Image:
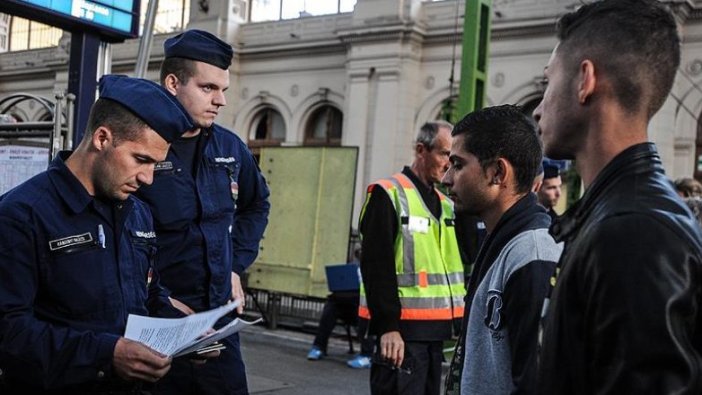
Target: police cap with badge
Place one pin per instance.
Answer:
(149, 102)
(201, 46)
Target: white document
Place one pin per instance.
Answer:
(178, 336)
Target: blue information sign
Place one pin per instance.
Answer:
(114, 20)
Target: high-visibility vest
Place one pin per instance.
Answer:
(427, 261)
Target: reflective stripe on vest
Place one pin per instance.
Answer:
(428, 265)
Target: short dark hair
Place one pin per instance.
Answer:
(635, 43)
(503, 132)
(182, 68)
(428, 131)
(124, 125)
(688, 187)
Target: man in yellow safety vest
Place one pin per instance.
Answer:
(413, 284)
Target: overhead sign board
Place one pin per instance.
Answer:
(113, 20)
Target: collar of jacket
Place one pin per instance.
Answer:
(72, 192)
(524, 215)
(637, 159)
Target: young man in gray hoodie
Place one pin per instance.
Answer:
(495, 155)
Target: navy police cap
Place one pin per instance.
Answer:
(150, 102)
(201, 46)
(551, 171)
(540, 169)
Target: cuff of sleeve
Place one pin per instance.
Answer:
(385, 326)
(238, 269)
(105, 355)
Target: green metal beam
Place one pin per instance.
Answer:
(474, 58)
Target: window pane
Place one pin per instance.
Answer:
(265, 10)
(262, 126)
(324, 125)
(335, 124)
(299, 8)
(19, 34)
(347, 5)
(170, 15)
(277, 126)
(26, 34)
(269, 125)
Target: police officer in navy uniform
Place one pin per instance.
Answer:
(77, 249)
(210, 206)
(549, 191)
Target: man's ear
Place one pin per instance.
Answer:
(503, 172)
(102, 138)
(171, 83)
(588, 81)
(420, 148)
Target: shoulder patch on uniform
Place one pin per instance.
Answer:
(70, 241)
(142, 234)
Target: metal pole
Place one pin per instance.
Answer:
(104, 59)
(68, 142)
(56, 131)
(145, 43)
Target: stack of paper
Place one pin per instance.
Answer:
(178, 336)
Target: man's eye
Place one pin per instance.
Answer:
(543, 82)
(207, 88)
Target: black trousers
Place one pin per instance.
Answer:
(420, 373)
(344, 306)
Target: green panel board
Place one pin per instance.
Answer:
(310, 219)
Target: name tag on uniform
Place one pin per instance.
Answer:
(70, 241)
(163, 166)
(418, 224)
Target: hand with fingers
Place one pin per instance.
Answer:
(135, 361)
(238, 292)
(392, 348)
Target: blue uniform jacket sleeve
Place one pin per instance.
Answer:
(31, 349)
(252, 210)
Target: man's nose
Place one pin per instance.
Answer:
(145, 177)
(220, 99)
(446, 179)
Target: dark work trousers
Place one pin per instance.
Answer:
(343, 306)
(420, 373)
(225, 374)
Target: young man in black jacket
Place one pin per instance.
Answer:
(625, 314)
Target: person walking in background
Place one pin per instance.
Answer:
(412, 289)
(76, 253)
(495, 157)
(343, 304)
(625, 313)
(549, 192)
(210, 206)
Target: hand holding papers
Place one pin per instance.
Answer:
(179, 336)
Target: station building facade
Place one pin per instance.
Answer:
(370, 73)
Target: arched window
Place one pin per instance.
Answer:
(324, 127)
(267, 129)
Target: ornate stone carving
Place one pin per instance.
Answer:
(694, 68)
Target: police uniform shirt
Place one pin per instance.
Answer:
(70, 277)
